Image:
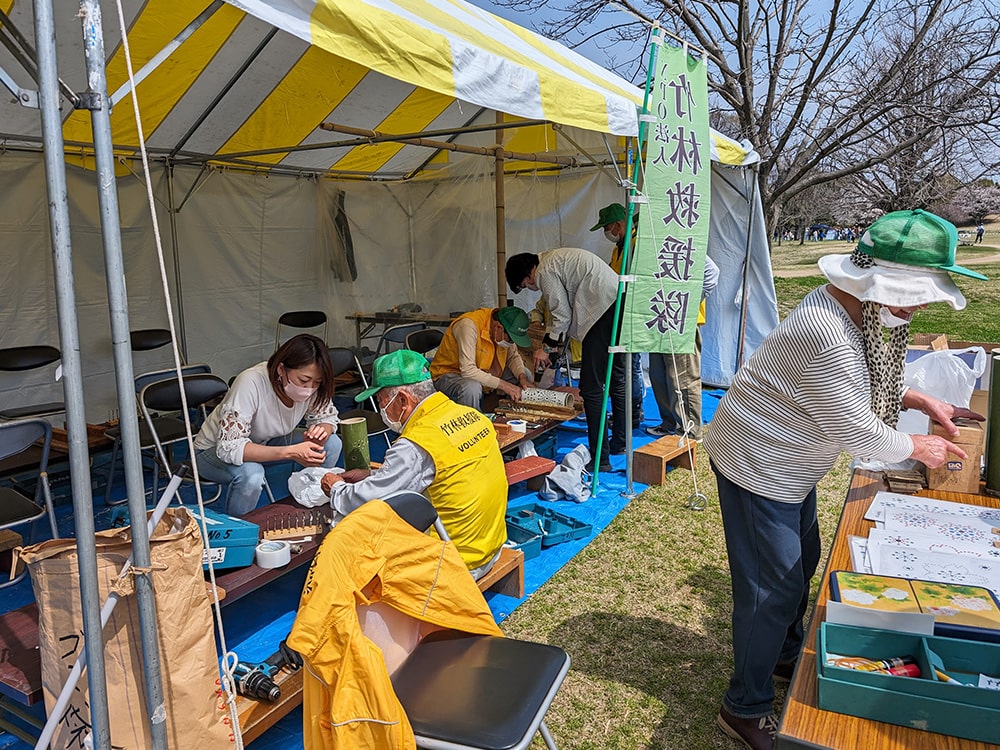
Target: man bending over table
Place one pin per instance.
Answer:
(445, 450)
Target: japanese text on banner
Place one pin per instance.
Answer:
(661, 305)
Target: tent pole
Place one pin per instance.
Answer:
(93, 47)
(501, 209)
(745, 305)
(174, 247)
(69, 340)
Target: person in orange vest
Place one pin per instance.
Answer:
(479, 353)
(445, 450)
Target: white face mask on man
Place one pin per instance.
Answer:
(390, 423)
(611, 236)
(889, 320)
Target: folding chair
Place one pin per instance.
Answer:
(345, 360)
(424, 341)
(165, 396)
(300, 319)
(474, 692)
(16, 508)
(21, 359)
(170, 427)
(393, 337)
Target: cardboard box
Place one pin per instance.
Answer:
(923, 702)
(959, 475)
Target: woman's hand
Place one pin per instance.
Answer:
(319, 433)
(306, 453)
(932, 451)
(938, 410)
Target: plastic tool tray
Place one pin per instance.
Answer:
(534, 526)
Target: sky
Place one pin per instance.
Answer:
(589, 49)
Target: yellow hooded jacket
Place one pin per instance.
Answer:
(373, 555)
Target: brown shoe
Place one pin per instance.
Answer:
(757, 733)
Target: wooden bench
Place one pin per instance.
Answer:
(650, 462)
(507, 574)
(528, 468)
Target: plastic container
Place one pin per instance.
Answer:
(553, 527)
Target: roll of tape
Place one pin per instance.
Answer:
(518, 425)
(273, 554)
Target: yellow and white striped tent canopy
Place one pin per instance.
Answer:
(253, 80)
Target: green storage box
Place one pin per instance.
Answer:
(923, 702)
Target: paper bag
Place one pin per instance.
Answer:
(196, 716)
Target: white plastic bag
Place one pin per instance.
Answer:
(305, 487)
(945, 375)
(525, 449)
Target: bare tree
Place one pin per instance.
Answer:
(892, 94)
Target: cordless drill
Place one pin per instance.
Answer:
(257, 680)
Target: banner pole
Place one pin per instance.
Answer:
(626, 262)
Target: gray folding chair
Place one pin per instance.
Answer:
(169, 426)
(165, 396)
(392, 338)
(300, 319)
(22, 359)
(474, 692)
(16, 507)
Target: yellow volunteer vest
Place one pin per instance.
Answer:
(446, 359)
(469, 490)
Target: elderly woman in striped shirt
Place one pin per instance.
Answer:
(826, 380)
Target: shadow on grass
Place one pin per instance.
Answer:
(684, 669)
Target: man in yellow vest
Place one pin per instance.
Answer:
(447, 451)
(479, 353)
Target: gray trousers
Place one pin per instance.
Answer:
(673, 373)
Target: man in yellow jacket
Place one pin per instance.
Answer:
(447, 451)
(479, 353)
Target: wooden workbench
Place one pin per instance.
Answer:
(803, 724)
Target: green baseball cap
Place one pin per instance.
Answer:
(401, 367)
(609, 215)
(915, 238)
(515, 322)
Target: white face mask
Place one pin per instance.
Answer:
(611, 236)
(889, 320)
(297, 393)
(390, 423)
(504, 344)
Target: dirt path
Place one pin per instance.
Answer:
(790, 273)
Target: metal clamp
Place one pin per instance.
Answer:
(89, 100)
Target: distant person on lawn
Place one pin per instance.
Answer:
(980, 231)
(823, 382)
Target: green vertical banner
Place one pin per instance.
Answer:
(661, 305)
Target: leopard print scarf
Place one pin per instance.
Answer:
(885, 358)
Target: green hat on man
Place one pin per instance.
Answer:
(401, 367)
(515, 322)
(609, 215)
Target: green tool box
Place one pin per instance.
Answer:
(924, 702)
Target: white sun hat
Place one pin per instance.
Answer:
(903, 260)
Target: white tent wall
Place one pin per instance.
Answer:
(251, 247)
(27, 287)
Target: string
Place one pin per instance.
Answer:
(228, 682)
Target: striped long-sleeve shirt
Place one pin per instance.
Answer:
(802, 398)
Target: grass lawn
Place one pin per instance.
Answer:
(644, 611)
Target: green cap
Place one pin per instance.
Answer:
(915, 238)
(401, 367)
(515, 322)
(609, 215)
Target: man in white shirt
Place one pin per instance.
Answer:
(580, 290)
